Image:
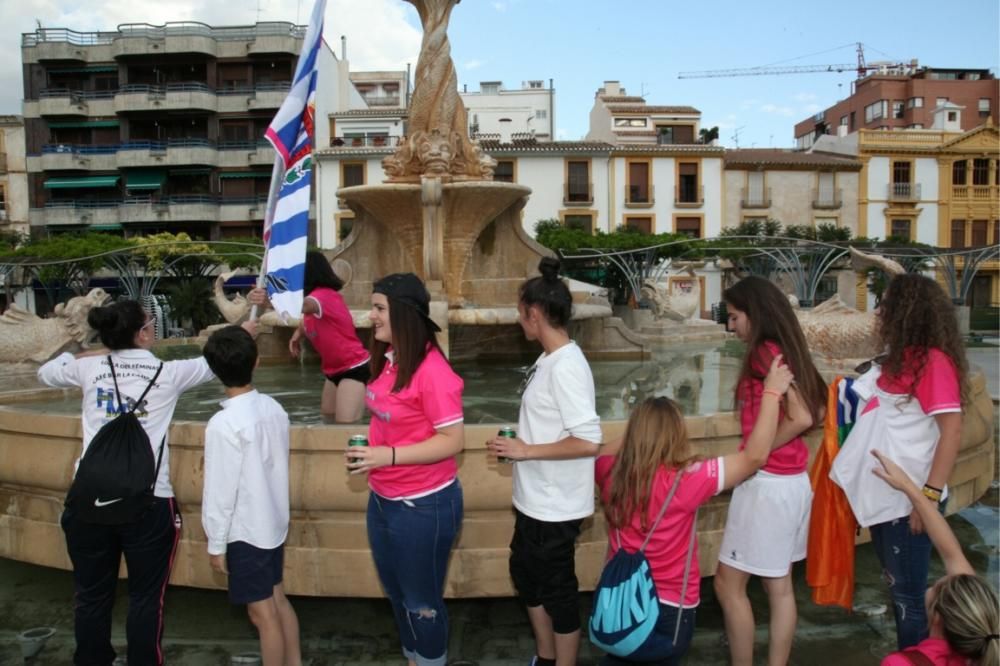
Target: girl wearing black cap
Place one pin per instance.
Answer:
(415, 505)
(559, 433)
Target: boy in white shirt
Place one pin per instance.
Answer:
(244, 508)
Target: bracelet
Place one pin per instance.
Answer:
(932, 493)
(393, 455)
(776, 394)
(927, 485)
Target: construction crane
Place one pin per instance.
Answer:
(861, 67)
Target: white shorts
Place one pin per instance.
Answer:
(768, 524)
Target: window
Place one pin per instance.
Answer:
(755, 189)
(875, 110)
(843, 121)
(541, 114)
(351, 174)
(996, 231)
(535, 84)
(578, 181)
(687, 183)
(897, 110)
(980, 171)
(638, 182)
(630, 122)
(901, 229)
(346, 226)
(958, 233)
(671, 134)
(958, 172)
(642, 224)
(581, 222)
(234, 132)
(852, 120)
(915, 102)
(979, 230)
(952, 116)
(489, 88)
(689, 226)
(504, 171)
(825, 195)
(900, 172)
(3, 203)
(984, 107)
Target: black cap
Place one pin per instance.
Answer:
(408, 289)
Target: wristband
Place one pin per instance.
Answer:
(776, 394)
(932, 493)
(393, 455)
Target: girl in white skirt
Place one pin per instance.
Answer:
(768, 521)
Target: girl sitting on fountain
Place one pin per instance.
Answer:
(768, 522)
(558, 435)
(415, 506)
(329, 326)
(149, 543)
(912, 412)
(636, 473)
(962, 607)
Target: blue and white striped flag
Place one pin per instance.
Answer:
(286, 221)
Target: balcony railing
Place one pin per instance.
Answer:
(828, 199)
(364, 142)
(48, 93)
(381, 100)
(903, 191)
(576, 195)
(689, 197)
(639, 196)
(174, 29)
(755, 198)
(976, 192)
(154, 146)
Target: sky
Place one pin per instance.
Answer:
(579, 44)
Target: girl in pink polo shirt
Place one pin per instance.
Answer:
(635, 475)
(913, 413)
(768, 522)
(328, 325)
(416, 430)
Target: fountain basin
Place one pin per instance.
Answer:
(327, 549)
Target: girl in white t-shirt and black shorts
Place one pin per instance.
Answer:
(558, 436)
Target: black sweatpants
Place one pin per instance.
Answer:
(148, 545)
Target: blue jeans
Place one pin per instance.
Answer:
(663, 639)
(411, 541)
(905, 559)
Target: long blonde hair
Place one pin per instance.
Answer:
(967, 607)
(655, 436)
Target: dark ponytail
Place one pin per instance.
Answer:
(549, 293)
(117, 324)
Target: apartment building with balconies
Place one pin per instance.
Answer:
(496, 113)
(905, 98)
(796, 188)
(149, 128)
(13, 176)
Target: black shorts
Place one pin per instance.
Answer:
(253, 572)
(359, 373)
(543, 568)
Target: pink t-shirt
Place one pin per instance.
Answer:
(790, 458)
(432, 400)
(935, 649)
(937, 388)
(331, 332)
(667, 549)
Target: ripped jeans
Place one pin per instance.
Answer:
(905, 559)
(411, 541)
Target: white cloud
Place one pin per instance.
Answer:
(812, 108)
(777, 110)
(473, 64)
(500, 6)
(381, 34)
(804, 97)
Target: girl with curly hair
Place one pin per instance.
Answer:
(912, 403)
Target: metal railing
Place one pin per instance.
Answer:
(577, 195)
(163, 200)
(173, 29)
(162, 89)
(903, 191)
(189, 142)
(689, 196)
(364, 141)
(639, 195)
(828, 199)
(755, 198)
(49, 93)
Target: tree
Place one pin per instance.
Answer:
(707, 136)
(191, 303)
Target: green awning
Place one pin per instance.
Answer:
(145, 180)
(89, 69)
(105, 227)
(86, 181)
(193, 171)
(246, 174)
(83, 123)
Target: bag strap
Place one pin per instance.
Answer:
(687, 573)
(141, 397)
(659, 516)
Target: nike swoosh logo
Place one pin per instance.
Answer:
(99, 503)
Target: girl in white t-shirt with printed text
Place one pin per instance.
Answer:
(558, 436)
